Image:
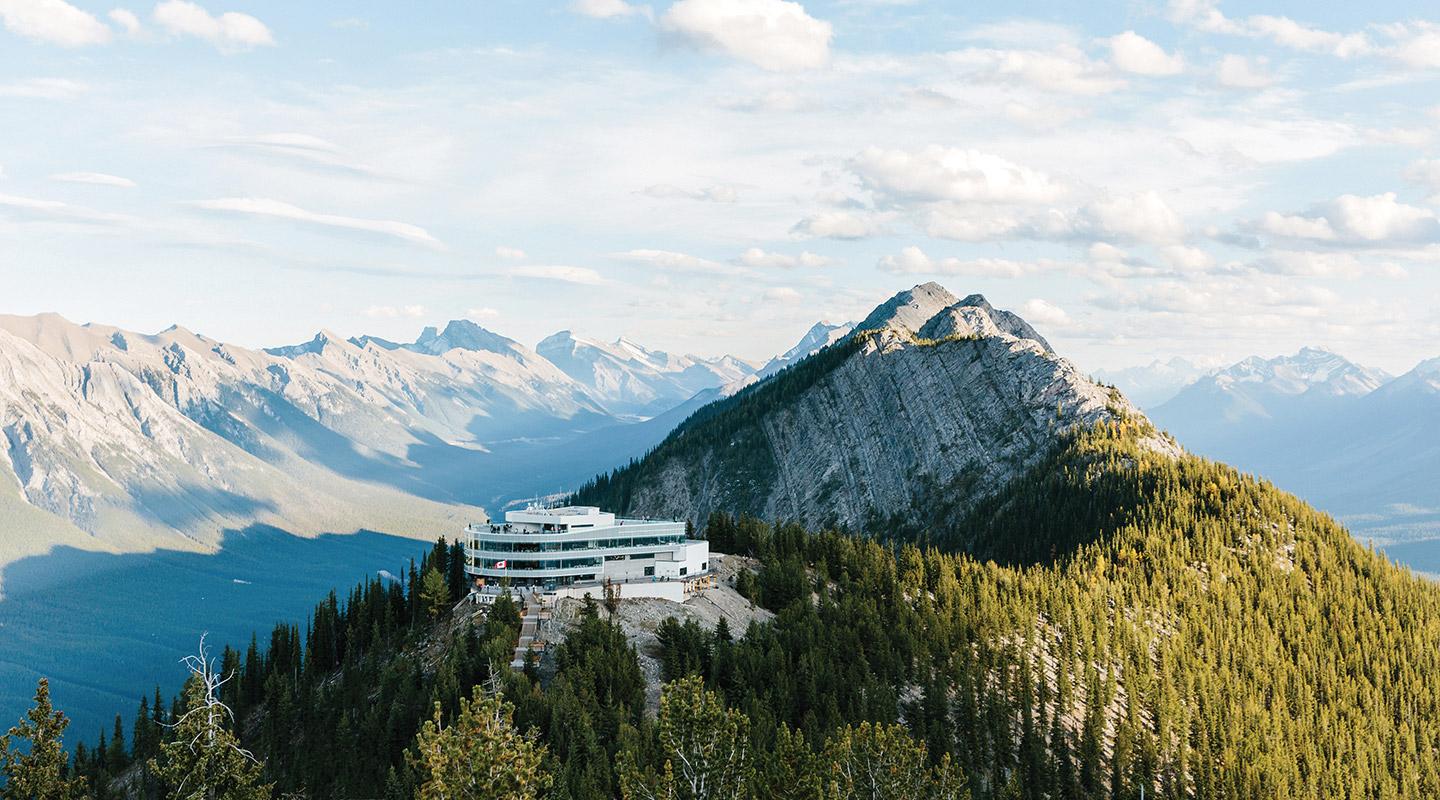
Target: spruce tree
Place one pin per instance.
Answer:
(479, 756)
(434, 594)
(37, 771)
(705, 749)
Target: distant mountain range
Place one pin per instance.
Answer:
(1154, 383)
(628, 378)
(121, 441)
(1351, 439)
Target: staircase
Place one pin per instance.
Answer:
(530, 639)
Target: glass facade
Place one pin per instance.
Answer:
(559, 547)
(503, 546)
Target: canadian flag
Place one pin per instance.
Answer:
(501, 564)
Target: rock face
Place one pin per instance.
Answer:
(932, 393)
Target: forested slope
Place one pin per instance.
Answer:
(1157, 622)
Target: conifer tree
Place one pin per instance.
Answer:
(479, 756)
(882, 762)
(37, 771)
(434, 594)
(705, 747)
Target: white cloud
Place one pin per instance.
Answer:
(125, 20)
(1064, 69)
(45, 88)
(1418, 45)
(303, 149)
(968, 223)
(760, 259)
(510, 253)
(1244, 73)
(712, 194)
(838, 225)
(97, 178)
(53, 22)
(485, 312)
(276, 209)
(1132, 52)
(775, 35)
(393, 312)
(1382, 218)
(1183, 258)
(913, 261)
(604, 9)
(670, 260)
(56, 210)
(948, 173)
(782, 294)
(1297, 227)
(1106, 253)
(230, 32)
(1144, 216)
(1378, 220)
(1043, 312)
(1426, 173)
(1286, 32)
(581, 275)
(1310, 263)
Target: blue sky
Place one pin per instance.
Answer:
(1138, 179)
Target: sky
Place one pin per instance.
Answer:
(1139, 180)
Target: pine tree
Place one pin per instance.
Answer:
(37, 771)
(705, 748)
(882, 762)
(435, 594)
(480, 756)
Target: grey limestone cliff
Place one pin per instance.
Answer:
(958, 402)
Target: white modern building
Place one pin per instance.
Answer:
(555, 549)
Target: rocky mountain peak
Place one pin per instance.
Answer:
(316, 346)
(974, 316)
(463, 334)
(909, 310)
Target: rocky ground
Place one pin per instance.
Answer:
(641, 618)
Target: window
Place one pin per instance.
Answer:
(649, 571)
(704, 565)
(684, 570)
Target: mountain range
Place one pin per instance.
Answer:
(1351, 439)
(120, 441)
(1151, 384)
(1056, 599)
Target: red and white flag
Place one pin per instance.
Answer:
(501, 564)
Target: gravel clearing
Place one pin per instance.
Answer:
(640, 618)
